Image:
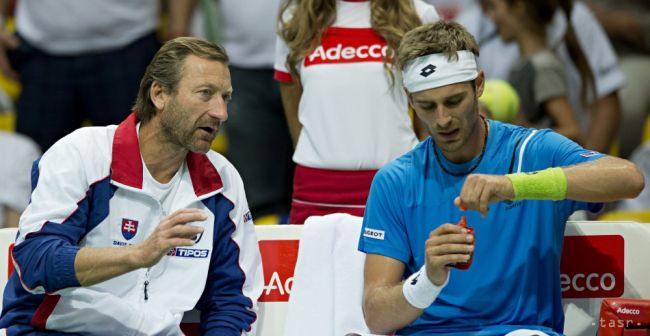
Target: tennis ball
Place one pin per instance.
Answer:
(500, 99)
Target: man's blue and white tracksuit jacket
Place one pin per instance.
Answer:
(88, 191)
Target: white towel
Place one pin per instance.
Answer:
(328, 279)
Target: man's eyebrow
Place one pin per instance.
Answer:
(429, 102)
(457, 95)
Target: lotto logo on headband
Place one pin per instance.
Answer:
(428, 70)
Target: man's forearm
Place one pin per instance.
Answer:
(604, 180)
(94, 265)
(385, 309)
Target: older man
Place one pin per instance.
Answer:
(132, 225)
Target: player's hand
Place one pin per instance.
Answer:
(170, 233)
(447, 244)
(479, 190)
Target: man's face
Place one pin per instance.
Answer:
(450, 113)
(194, 113)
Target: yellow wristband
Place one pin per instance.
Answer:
(547, 184)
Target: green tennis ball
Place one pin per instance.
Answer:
(500, 99)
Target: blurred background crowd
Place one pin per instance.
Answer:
(310, 118)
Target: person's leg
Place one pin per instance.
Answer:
(259, 141)
(635, 102)
(108, 82)
(46, 109)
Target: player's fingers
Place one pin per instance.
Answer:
(184, 216)
(175, 242)
(452, 248)
(471, 191)
(445, 229)
(182, 231)
(448, 260)
(484, 200)
(457, 238)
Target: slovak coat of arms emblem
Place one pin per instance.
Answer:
(129, 228)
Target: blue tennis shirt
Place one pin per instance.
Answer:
(514, 280)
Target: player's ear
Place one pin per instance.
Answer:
(480, 83)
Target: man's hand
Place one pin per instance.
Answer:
(479, 190)
(93, 265)
(447, 244)
(171, 232)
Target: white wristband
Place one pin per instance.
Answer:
(419, 291)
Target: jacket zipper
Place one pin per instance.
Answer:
(146, 285)
(146, 275)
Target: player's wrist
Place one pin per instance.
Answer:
(419, 291)
(136, 256)
(548, 184)
(437, 279)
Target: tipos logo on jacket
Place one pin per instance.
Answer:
(129, 228)
(348, 45)
(188, 253)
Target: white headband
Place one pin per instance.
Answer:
(436, 70)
